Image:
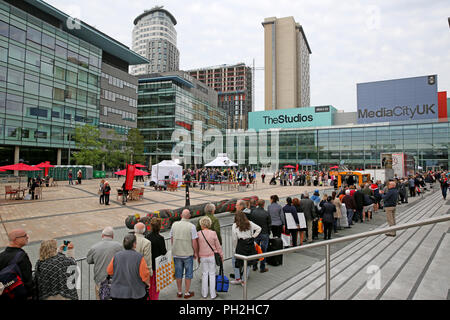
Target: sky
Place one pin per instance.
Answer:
(351, 41)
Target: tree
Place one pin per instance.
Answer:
(114, 156)
(87, 140)
(135, 146)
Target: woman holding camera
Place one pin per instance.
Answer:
(55, 272)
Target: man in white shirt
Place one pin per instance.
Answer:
(143, 246)
(183, 236)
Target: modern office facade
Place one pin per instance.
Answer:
(286, 64)
(155, 38)
(233, 84)
(50, 80)
(174, 100)
(414, 120)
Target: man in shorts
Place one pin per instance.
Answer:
(183, 236)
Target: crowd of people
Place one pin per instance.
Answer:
(129, 268)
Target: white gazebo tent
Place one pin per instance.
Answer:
(221, 161)
(167, 170)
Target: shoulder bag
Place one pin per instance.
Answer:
(217, 256)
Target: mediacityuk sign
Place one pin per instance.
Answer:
(398, 100)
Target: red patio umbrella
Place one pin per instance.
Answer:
(335, 167)
(138, 165)
(289, 166)
(137, 172)
(45, 165)
(20, 167)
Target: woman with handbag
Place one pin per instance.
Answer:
(243, 233)
(210, 254)
(100, 192)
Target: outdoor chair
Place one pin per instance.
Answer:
(134, 195)
(38, 192)
(9, 190)
(141, 194)
(173, 186)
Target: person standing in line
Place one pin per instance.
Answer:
(337, 215)
(296, 204)
(276, 216)
(129, 271)
(208, 244)
(309, 210)
(215, 224)
(158, 249)
(243, 233)
(100, 254)
(262, 218)
(53, 272)
(289, 209)
(18, 239)
(390, 203)
(350, 204)
(183, 236)
(263, 176)
(444, 186)
(143, 245)
(327, 214)
(359, 201)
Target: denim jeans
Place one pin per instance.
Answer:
(237, 272)
(349, 216)
(263, 241)
(184, 264)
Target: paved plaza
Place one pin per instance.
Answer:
(414, 260)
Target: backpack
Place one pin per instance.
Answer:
(367, 200)
(12, 286)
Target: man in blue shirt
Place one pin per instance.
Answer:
(390, 202)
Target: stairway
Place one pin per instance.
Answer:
(411, 266)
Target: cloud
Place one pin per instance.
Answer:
(352, 41)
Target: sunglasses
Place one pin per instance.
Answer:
(24, 236)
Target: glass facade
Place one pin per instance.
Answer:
(166, 105)
(49, 82)
(359, 147)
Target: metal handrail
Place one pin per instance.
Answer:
(328, 243)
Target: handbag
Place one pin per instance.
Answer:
(104, 292)
(286, 238)
(222, 282)
(217, 256)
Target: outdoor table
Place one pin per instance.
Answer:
(20, 190)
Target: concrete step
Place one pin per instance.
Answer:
(306, 283)
(435, 284)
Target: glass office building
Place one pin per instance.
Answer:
(174, 100)
(393, 116)
(50, 80)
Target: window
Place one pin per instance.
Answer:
(33, 58)
(47, 68)
(34, 35)
(2, 74)
(16, 52)
(14, 104)
(83, 61)
(48, 41)
(3, 54)
(4, 28)
(31, 87)
(17, 34)
(94, 61)
(61, 52)
(60, 73)
(83, 76)
(93, 79)
(45, 91)
(82, 95)
(15, 77)
(92, 98)
(72, 57)
(71, 93)
(58, 94)
(71, 76)
(2, 101)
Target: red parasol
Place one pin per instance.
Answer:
(20, 167)
(289, 166)
(45, 165)
(335, 167)
(137, 172)
(138, 165)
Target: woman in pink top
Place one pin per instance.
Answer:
(208, 243)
